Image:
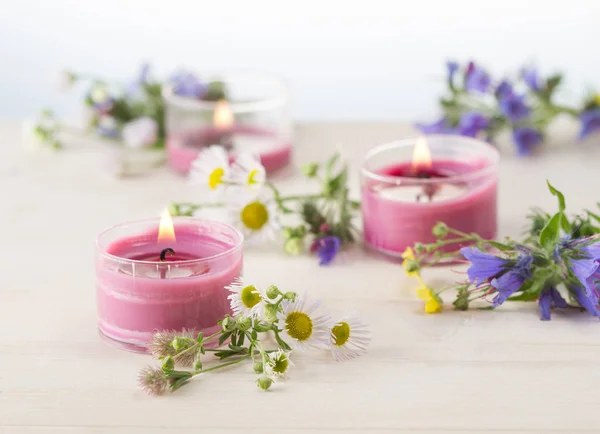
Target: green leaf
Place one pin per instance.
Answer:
(561, 197)
(224, 337)
(593, 215)
(241, 339)
(500, 246)
(553, 82)
(177, 384)
(551, 232)
(565, 224)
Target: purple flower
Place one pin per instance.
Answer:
(471, 123)
(583, 269)
(504, 90)
(531, 78)
(483, 265)
(526, 139)
(327, 248)
(452, 68)
(512, 280)
(188, 85)
(514, 107)
(588, 302)
(477, 79)
(590, 123)
(438, 127)
(549, 298)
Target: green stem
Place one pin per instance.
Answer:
(223, 365)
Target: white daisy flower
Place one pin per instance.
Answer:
(211, 169)
(301, 325)
(277, 365)
(244, 299)
(348, 338)
(248, 173)
(256, 218)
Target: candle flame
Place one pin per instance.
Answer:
(223, 116)
(166, 231)
(421, 155)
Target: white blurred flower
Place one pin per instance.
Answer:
(301, 325)
(140, 133)
(348, 338)
(211, 169)
(248, 173)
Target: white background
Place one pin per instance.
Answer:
(361, 60)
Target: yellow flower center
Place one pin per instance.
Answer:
(299, 326)
(250, 296)
(280, 364)
(340, 333)
(252, 177)
(216, 177)
(255, 215)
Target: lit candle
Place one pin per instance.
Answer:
(407, 189)
(171, 279)
(223, 123)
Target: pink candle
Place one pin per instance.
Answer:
(183, 147)
(138, 294)
(402, 202)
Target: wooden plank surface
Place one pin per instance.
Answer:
(502, 371)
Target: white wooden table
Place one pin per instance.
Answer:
(475, 371)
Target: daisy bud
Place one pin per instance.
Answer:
(258, 367)
(244, 323)
(412, 266)
(310, 169)
(228, 323)
(294, 246)
(273, 292)
(440, 230)
(291, 296)
(264, 382)
(419, 247)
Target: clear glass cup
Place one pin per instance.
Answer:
(138, 294)
(258, 120)
(400, 207)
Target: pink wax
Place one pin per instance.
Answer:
(393, 222)
(183, 147)
(138, 295)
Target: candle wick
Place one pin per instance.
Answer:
(163, 254)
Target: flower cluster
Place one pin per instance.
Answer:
(132, 113)
(257, 207)
(557, 265)
(258, 316)
(479, 106)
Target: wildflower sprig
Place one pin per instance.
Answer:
(266, 326)
(129, 113)
(478, 105)
(556, 264)
(321, 222)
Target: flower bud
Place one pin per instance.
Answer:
(168, 364)
(291, 296)
(412, 266)
(273, 292)
(264, 382)
(419, 247)
(181, 343)
(310, 169)
(198, 364)
(244, 323)
(440, 230)
(258, 367)
(228, 323)
(294, 246)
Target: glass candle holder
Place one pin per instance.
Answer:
(139, 292)
(402, 201)
(254, 117)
